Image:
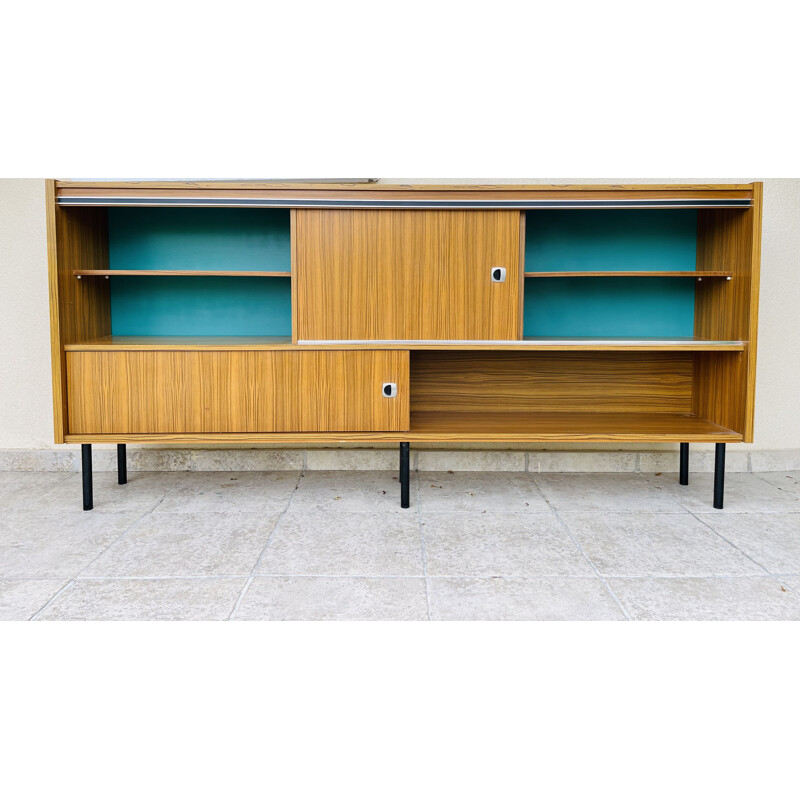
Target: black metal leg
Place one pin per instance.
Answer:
(684, 479)
(122, 464)
(86, 468)
(719, 476)
(405, 458)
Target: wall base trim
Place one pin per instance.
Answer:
(148, 459)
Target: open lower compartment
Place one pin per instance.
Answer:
(592, 397)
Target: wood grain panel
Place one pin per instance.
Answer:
(293, 268)
(439, 426)
(724, 388)
(178, 273)
(291, 193)
(407, 274)
(158, 392)
(79, 310)
(631, 274)
(547, 382)
(305, 186)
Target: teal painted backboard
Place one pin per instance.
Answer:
(200, 238)
(559, 241)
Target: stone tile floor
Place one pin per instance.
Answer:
(337, 546)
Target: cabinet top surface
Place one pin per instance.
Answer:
(399, 196)
(378, 187)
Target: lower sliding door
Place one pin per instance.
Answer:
(130, 392)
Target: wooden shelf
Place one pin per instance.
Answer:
(640, 344)
(109, 343)
(204, 273)
(567, 427)
(632, 274)
(693, 344)
(478, 427)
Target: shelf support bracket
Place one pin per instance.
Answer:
(684, 478)
(719, 476)
(405, 459)
(122, 465)
(86, 469)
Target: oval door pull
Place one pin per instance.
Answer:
(498, 274)
(390, 390)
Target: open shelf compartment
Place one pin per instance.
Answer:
(644, 251)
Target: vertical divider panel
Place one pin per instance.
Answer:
(293, 269)
(522, 218)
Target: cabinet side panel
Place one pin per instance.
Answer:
(79, 309)
(755, 283)
(57, 355)
(724, 387)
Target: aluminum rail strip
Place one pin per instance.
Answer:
(478, 205)
(526, 343)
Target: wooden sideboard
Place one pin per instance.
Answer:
(266, 313)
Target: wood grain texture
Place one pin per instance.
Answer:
(632, 274)
(567, 427)
(204, 273)
(288, 194)
(79, 310)
(293, 267)
(407, 274)
(479, 427)
(235, 392)
(549, 382)
(225, 384)
(755, 287)
(531, 343)
(745, 188)
(725, 383)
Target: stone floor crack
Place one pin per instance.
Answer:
(249, 581)
(584, 554)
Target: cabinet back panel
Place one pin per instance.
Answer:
(609, 307)
(610, 240)
(239, 239)
(551, 382)
(200, 306)
(199, 238)
(650, 240)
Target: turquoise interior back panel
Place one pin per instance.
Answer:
(196, 306)
(561, 241)
(609, 307)
(237, 239)
(199, 238)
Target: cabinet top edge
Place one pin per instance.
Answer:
(400, 187)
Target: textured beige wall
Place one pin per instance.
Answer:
(25, 394)
(26, 406)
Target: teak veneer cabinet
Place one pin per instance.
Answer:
(263, 313)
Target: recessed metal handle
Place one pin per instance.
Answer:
(389, 390)
(498, 274)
